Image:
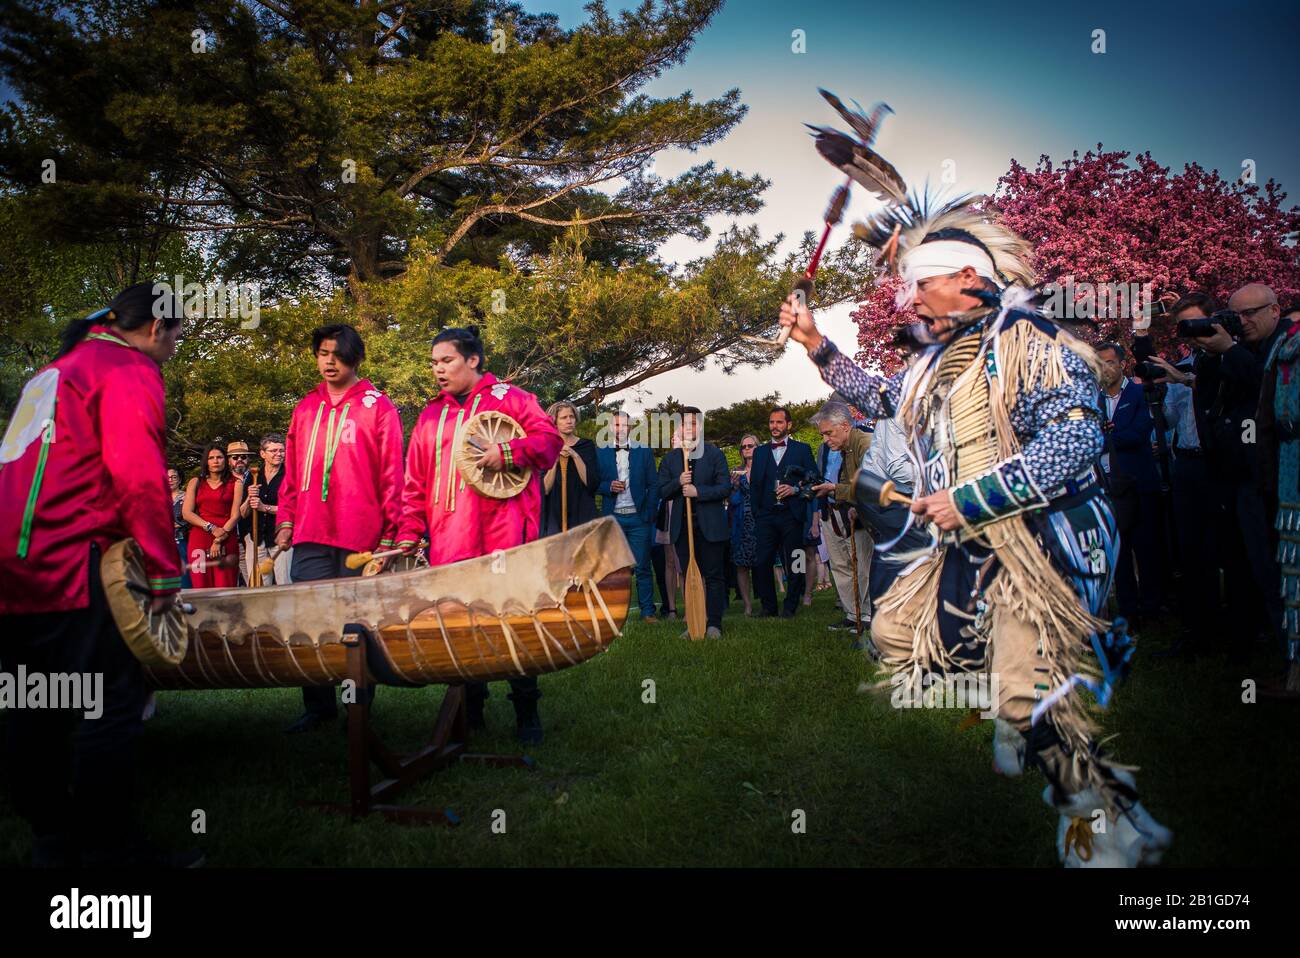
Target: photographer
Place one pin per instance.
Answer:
(835, 422)
(1134, 487)
(1225, 393)
(1196, 506)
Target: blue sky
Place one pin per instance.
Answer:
(977, 83)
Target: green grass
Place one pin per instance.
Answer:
(743, 732)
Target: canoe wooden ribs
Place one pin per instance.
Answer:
(536, 608)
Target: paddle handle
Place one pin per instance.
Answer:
(690, 532)
(256, 576)
(564, 495)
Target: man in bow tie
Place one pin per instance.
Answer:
(781, 518)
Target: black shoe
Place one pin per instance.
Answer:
(847, 625)
(787, 613)
(308, 722)
(763, 614)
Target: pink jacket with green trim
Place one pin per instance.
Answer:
(462, 523)
(98, 476)
(342, 481)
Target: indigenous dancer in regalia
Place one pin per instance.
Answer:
(461, 522)
(81, 467)
(999, 407)
(1279, 438)
(342, 485)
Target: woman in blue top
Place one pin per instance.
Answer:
(743, 542)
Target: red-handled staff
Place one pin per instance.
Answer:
(834, 213)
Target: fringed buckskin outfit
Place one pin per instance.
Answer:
(1002, 416)
(1000, 412)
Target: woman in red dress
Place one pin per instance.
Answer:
(212, 510)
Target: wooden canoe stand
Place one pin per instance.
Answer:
(446, 747)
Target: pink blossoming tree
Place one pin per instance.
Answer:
(1100, 219)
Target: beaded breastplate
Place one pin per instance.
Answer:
(955, 417)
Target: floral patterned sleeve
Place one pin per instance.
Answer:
(876, 396)
(1063, 426)
(1060, 433)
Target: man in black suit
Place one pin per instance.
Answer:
(780, 517)
(705, 479)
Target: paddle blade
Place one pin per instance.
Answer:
(358, 559)
(696, 614)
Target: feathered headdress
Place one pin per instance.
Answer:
(908, 220)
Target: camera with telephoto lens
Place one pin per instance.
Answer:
(803, 482)
(1229, 319)
(1143, 368)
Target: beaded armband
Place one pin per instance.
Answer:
(1003, 491)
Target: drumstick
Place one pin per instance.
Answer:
(834, 213)
(267, 565)
(358, 559)
(186, 607)
(889, 495)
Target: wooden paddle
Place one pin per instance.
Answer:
(696, 614)
(564, 495)
(256, 576)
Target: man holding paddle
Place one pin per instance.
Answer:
(695, 478)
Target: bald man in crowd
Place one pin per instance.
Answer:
(1225, 392)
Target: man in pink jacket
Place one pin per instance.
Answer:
(342, 485)
(82, 466)
(460, 522)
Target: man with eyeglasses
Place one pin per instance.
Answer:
(238, 453)
(1225, 392)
